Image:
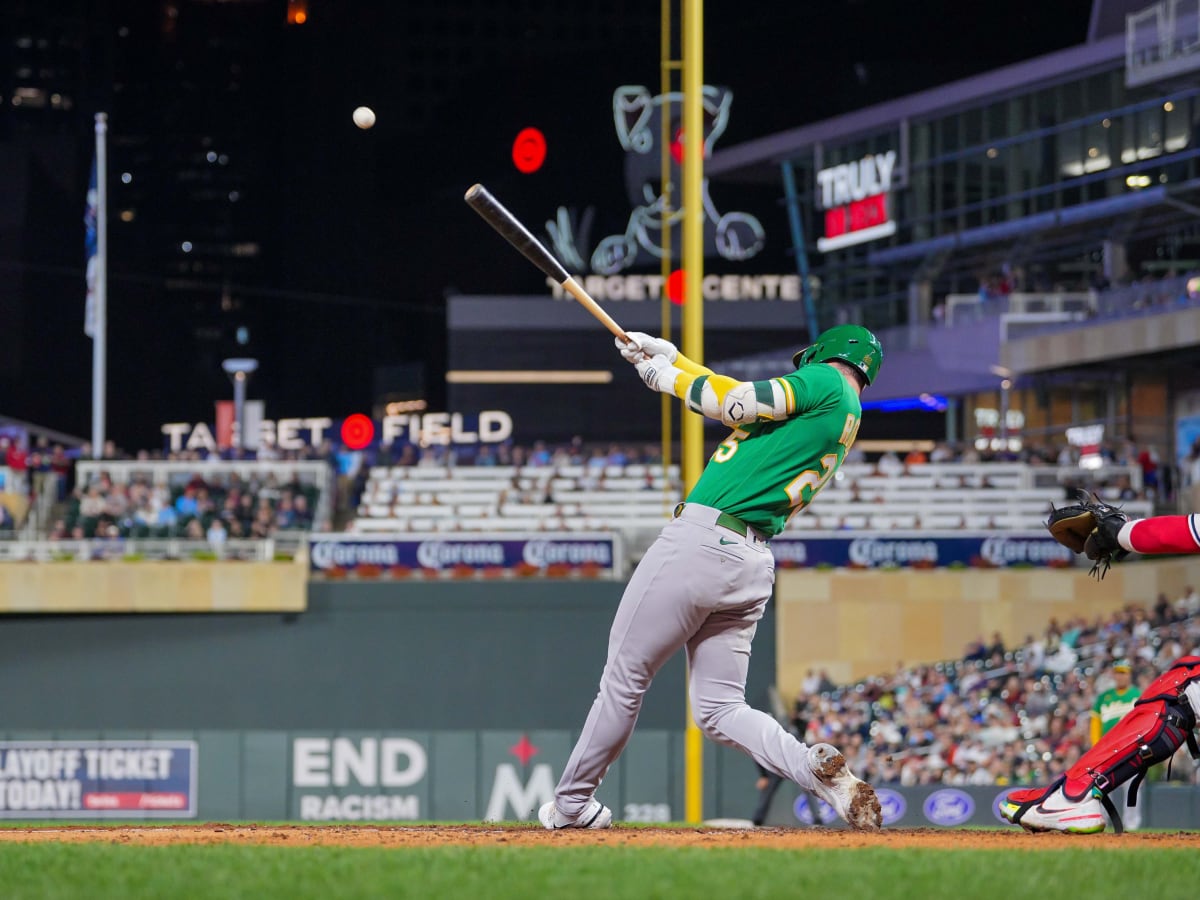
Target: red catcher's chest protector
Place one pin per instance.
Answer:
(1160, 722)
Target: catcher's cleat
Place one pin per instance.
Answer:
(594, 815)
(853, 799)
(1035, 809)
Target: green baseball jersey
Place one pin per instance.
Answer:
(1112, 704)
(765, 472)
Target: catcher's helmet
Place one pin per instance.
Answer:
(849, 343)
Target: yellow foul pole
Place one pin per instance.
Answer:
(692, 432)
(666, 65)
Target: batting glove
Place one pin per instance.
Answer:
(658, 374)
(643, 346)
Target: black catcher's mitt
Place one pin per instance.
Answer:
(1089, 526)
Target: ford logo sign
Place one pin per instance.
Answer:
(894, 805)
(803, 811)
(998, 803)
(949, 807)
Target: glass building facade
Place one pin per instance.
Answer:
(1035, 167)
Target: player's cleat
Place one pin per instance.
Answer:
(1036, 810)
(852, 798)
(594, 815)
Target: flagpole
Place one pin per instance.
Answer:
(100, 337)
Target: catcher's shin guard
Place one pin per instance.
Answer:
(1160, 722)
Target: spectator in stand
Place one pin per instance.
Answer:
(263, 525)
(941, 453)
(284, 515)
(185, 504)
(598, 460)
(540, 454)
(17, 460)
(1148, 460)
(890, 464)
(347, 463)
(60, 465)
(302, 516)
(1189, 603)
(217, 534)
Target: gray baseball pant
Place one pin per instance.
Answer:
(705, 587)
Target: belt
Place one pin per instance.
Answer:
(725, 520)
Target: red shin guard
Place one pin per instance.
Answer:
(1160, 722)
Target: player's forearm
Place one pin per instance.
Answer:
(723, 398)
(690, 367)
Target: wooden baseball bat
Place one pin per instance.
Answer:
(497, 215)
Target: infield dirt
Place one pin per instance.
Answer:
(532, 835)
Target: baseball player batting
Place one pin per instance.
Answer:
(706, 580)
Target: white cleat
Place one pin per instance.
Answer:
(1054, 812)
(852, 798)
(594, 815)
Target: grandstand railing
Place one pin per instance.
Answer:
(287, 546)
(1059, 305)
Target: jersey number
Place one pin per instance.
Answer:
(729, 446)
(811, 479)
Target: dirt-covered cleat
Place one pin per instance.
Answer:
(1035, 809)
(852, 798)
(594, 815)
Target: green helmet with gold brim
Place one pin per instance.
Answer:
(850, 343)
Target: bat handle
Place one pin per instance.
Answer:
(575, 289)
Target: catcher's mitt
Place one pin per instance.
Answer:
(1090, 526)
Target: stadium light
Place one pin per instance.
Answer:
(239, 371)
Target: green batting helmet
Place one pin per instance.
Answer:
(849, 343)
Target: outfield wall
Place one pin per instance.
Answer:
(487, 682)
(463, 668)
(310, 775)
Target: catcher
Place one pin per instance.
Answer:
(1162, 719)
(1106, 535)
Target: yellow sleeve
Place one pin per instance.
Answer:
(724, 398)
(692, 368)
(1095, 729)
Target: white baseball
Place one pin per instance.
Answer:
(364, 117)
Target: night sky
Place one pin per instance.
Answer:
(363, 233)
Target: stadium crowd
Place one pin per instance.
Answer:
(1000, 715)
(102, 510)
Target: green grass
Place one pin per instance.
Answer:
(102, 871)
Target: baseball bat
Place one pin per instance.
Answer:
(510, 228)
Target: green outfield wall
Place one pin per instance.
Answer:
(465, 669)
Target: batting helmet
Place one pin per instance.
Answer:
(849, 343)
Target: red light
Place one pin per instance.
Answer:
(677, 144)
(529, 150)
(357, 431)
(675, 287)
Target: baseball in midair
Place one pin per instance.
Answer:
(364, 117)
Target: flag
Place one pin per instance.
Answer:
(90, 246)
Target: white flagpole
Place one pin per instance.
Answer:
(100, 338)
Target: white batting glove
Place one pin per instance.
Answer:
(642, 346)
(658, 374)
